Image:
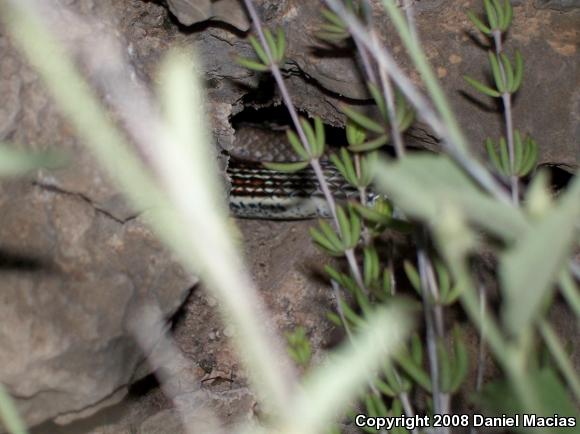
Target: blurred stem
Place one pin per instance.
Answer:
(366, 62)
(570, 292)
(388, 94)
(362, 191)
(431, 339)
(354, 268)
(559, 353)
(507, 106)
(481, 350)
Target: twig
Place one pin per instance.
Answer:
(431, 334)
(507, 105)
(391, 108)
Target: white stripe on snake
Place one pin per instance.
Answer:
(260, 193)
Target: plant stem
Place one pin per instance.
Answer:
(277, 74)
(314, 162)
(431, 335)
(391, 109)
(507, 105)
(481, 350)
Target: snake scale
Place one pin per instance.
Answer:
(260, 193)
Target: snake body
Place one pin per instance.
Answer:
(261, 193)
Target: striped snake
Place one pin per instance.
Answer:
(260, 193)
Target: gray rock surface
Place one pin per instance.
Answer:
(74, 262)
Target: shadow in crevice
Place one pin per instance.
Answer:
(12, 260)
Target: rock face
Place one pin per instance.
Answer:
(74, 259)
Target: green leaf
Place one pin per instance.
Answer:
(252, 64)
(371, 214)
(518, 71)
(530, 157)
(507, 15)
(355, 135)
(310, 136)
(479, 24)
(461, 360)
(281, 45)
(477, 85)
(371, 145)
(331, 235)
(334, 318)
(518, 151)
(504, 157)
(385, 389)
(334, 274)
(15, 162)
(527, 272)
(332, 17)
(366, 168)
(259, 50)
(297, 145)
(355, 229)
(319, 137)
(413, 276)
(370, 265)
(332, 28)
(286, 167)
(414, 371)
(509, 71)
(332, 37)
(363, 120)
(496, 72)
(324, 242)
(350, 315)
(417, 349)
(492, 153)
(407, 119)
(344, 225)
(349, 169)
(443, 279)
(378, 98)
(272, 45)
(498, 8)
(491, 14)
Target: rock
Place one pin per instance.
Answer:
(190, 12)
(74, 261)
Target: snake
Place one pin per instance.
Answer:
(261, 193)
